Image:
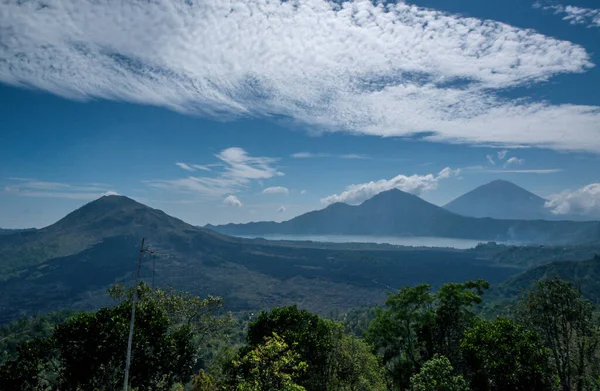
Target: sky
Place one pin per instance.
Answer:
(247, 110)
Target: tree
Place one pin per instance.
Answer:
(417, 324)
(394, 332)
(311, 337)
(270, 366)
(356, 368)
(568, 327)
(436, 375)
(504, 355)
(88, 350)
(453, 316)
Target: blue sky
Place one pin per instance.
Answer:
(218, 113)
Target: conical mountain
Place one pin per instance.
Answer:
(500, 199)
(106, 217)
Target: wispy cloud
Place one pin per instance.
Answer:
(417, 70)
(184, 166)
(583, 201)
(192, 167)
(490, 158)
(276, 190)
(232, 201)
(414, 184)
(238, 169)
(575, 15)
(33, 188)
(281, 209)
(311, 155)
(539, 171)
(514, 161)
(502, 154)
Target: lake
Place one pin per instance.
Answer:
(417, 241)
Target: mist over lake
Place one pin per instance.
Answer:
(416, 241)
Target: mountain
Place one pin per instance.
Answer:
(6, 231)
(396, 213)
(71, 263)
(583, 274)
(500, 199)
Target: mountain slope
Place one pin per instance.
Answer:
(70, 264)
(585, 275)
(105, 217)
(500, 200)
(396, 213)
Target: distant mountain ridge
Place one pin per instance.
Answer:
(71, 263)
(501, 199)
(396, 213)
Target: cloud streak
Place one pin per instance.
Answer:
(238, 170)
(42, 189)
(276, 190)
(390, 69)
(414, 184)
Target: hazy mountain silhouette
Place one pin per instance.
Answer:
(396, 213)
(500, 199)
(71, 263)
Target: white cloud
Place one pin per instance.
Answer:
(281, 209)
(414, 184)
(380, 68)
(276, 190)
(111, 193)
(33, 188)
(310, 155)
(502, 154)
(200, 167)
(184, 166)
(573, 14)
(238, 169)
(303, 192)
(514, 161)
(583, 201)
(192, 167)
(538, 171)
(490, 159)
(232, 201)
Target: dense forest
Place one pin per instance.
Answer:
(419, 340)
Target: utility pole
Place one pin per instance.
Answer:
(135, 296)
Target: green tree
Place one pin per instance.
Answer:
(356, 368)
(88, 350)
(311, 336)
(394, 332)
(504, 355)
(453, 316)
(568, 327)
(270, 366)
(436, 375)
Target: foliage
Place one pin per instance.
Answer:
(88, 350)
(417, 324)
(355, 367)
(270, 366)
(504, 355)
(311, 336)
(394, 331)
(568, 327)
(436, 375)
(20, 331)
